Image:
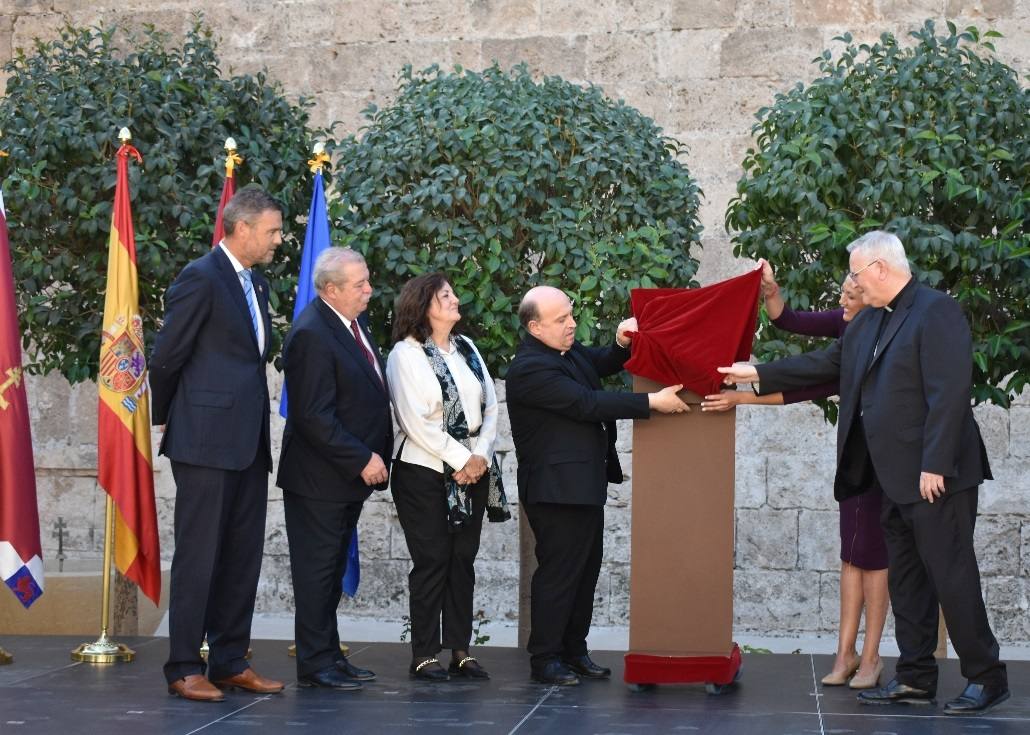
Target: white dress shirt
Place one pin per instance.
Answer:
(364, 339)
(418, 407)
(238, 267)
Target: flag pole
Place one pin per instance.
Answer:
(103, 650)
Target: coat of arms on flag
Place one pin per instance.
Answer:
(122, 364)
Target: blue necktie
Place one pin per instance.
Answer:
(248, 293)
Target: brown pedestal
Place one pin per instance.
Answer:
(681, 575)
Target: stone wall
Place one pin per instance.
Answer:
(700, 68)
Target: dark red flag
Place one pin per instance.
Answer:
(21, 556)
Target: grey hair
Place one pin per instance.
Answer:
(329, 265)
(246, 206)
(883, 246)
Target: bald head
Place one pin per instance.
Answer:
(546, 313)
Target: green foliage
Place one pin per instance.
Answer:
(65, 103)
(930, 142)
(504, 183)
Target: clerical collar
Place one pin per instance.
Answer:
(894, 302)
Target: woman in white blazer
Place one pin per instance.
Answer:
(444, 476)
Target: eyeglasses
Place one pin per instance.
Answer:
(853, 275)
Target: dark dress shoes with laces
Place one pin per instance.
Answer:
(586, 668)
(977, 699)
(554, 672)
(896, 692)
(329, 678)
(354, 672)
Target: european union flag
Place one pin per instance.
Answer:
(316, 239)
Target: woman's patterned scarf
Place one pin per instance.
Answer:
(459, 501)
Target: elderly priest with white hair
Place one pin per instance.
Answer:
(906, 425)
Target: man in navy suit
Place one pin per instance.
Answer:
(336, 451)
(563, 426)
(207, 378)
(906, 425)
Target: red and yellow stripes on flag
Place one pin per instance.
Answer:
(228, 188)
(125, 465)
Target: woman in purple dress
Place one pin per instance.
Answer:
(863, 553)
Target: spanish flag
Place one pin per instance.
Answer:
(228, 188)
(125, 467)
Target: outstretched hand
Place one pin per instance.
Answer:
(739, 372)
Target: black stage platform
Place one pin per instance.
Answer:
(44, 692)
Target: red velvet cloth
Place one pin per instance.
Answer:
(686, 333)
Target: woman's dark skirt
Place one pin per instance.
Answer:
(861, 536)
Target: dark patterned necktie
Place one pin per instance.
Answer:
(365, 351)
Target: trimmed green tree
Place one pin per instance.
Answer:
(930, 141)
(503, 183)
(65, 102)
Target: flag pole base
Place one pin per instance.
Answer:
(205, 650)
(5, 657)
(292, 650)
(103, 651)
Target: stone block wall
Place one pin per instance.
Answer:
(700, 68)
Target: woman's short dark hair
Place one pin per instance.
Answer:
(411, 308)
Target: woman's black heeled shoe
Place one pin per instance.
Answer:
(467, 667)
(428, 670)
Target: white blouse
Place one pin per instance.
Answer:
(418, 407)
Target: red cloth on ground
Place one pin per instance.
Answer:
(686, 333)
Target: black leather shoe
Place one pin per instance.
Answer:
(895, 691)
(428, 670)
(586, 668)
(329, 678)
(554, 672)
(467, 667)
(353, 672)
(977, 699)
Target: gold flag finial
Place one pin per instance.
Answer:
(320, 159)
(231, 159)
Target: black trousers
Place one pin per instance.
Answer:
(931, 560)
(219, 539)
(319, 534)
(443, 575)
(569, 542)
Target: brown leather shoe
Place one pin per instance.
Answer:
(251, 681)
(197, 688)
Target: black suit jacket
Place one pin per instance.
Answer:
(913, 396)
(339, 411)
(207, 376)
(563, 421)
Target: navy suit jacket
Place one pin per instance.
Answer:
(207, 375)
(339, 410)
(563, 421)
(913, 396)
